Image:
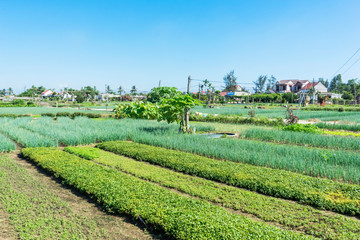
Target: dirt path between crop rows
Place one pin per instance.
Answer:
(116, 227)
(7, 231)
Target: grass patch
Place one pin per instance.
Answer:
(35, 212)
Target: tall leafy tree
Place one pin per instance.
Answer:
(335, 84)
(230, 81)
(33, 91)
(347, 96)
(79, 97)
(170, 106)
(159, 93)
(89, 92)
(271, 81)
(260, 84)
(175, 110)
(353, 86)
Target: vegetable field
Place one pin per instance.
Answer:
(145, 177)
(280, 112)
(40, 110)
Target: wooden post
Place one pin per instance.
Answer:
(187, 117)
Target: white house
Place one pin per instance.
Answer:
(65, 95)
(318, 87)
(47, 93)
(106, 96)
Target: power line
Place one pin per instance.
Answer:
(351, 65)
(199, 80)
(345, 63)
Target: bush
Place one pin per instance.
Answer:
(77, 114)
(19, 102)
(308, 128)
(238, 119)
(93, 115)
(48, 115)
(9, 115)
(63, 114)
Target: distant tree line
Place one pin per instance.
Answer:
(349, 90)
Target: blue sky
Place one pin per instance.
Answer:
(123, 43)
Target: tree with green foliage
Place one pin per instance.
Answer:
(347, 96)
(79, 97)
(175, 109)
(335, 84)
(353, 87)
(230, 82)
(170, 106)
(159, 93)
(260, 84)
(89, 92)
(138, 110)
(271, 82)
(33, 91)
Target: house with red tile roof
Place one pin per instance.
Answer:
(318, 86)
(295, 86)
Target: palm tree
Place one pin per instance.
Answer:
(108, 90)
(120, 90)
(10, 91)
(133, 90)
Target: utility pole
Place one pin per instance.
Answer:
(355, 92)
(199, 90)
(159, 83)
(189, 82)
(313, 91)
